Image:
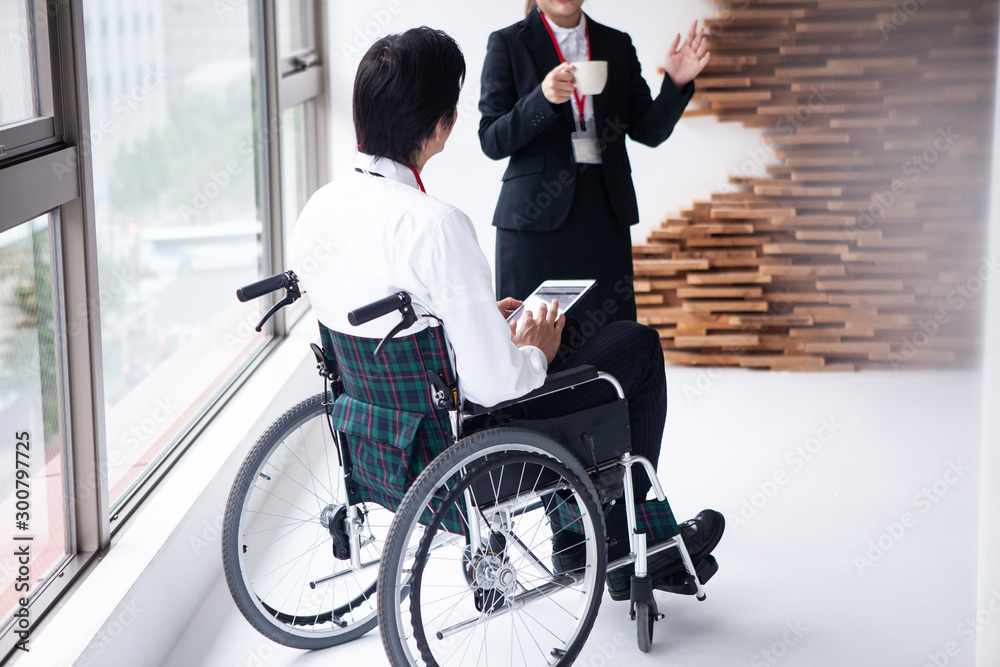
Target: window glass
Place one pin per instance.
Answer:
(179, 220)
(298, 173)
(18, 64)
(32, 476)
(292, 26)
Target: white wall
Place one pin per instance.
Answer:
(668, 178)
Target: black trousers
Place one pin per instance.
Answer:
(590, 244)
(631, 352)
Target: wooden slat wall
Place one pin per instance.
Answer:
(859, 243)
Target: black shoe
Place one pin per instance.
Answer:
(682, 583)
(658, 566)
(701, 536)
(702, 533)
(569, 552)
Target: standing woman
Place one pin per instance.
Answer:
(567, 200)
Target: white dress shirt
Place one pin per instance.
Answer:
(573, 43)
(362, 238)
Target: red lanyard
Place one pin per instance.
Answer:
(420, 184)
(579, 99)
(416, 175)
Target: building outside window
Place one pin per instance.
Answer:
(133, 207)
(179, 224)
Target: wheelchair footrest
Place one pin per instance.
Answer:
(682, 583)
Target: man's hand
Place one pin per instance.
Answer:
(558, 84)
(508, 306)
(687, 62)
(543, 332)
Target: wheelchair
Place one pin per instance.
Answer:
(458, 562)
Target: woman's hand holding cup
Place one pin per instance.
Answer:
(558, 84)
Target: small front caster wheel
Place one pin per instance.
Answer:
(644, 619)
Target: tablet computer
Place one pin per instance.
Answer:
(568, 292)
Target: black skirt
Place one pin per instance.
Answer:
(590, 244)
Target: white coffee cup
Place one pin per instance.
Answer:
(590, 76)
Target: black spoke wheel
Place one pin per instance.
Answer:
(472, 546)
(287, 574)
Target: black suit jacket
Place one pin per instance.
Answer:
(519, 123)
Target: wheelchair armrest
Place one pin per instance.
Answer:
(566, 379)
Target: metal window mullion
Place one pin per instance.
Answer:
(270, 159)
(49, 73)
(321, 104)
(300, 86)
(310, 120)
(62, 377)
(34, 187)
(30, 136)
(81, 293)
(43, 36)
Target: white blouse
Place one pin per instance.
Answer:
(364, 237)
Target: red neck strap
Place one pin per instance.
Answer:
(580, 99)
(416, 175)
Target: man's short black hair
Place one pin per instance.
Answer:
(405, 84)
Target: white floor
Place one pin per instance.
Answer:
(832, 555)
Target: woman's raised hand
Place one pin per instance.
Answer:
(686, 62)
(558, 84)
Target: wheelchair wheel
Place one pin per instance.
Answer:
(285, 537)
(644, 626)
(471, 547)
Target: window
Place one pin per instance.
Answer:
(164, 185)
(293, 26)
(18, 95)
(302, 132)
(27, 97)
(178, 226)
(33, 483)
(298, 162)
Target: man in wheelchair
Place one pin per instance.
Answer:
(376, 232)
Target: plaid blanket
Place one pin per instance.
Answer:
(394, 431)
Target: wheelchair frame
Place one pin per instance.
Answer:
(643, 606)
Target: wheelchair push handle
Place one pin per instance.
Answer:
(265, 286)
(376, 309)
(287, 281)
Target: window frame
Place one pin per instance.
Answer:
(50, 170)
(293, 79)
(45, 129)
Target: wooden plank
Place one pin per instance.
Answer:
(852, 348)
(719, 292)
(771, 320)
(719, 340)
(804, 249)
(783, 362)
(859, 285)
(807, 271)
(814, 263)
(734, 278)
(653, 267)
(696, 359)
(873, 299)
(725, 306)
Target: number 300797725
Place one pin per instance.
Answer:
(22, 471)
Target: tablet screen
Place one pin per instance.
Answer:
(568, 292)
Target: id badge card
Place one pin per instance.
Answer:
(586, 149)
